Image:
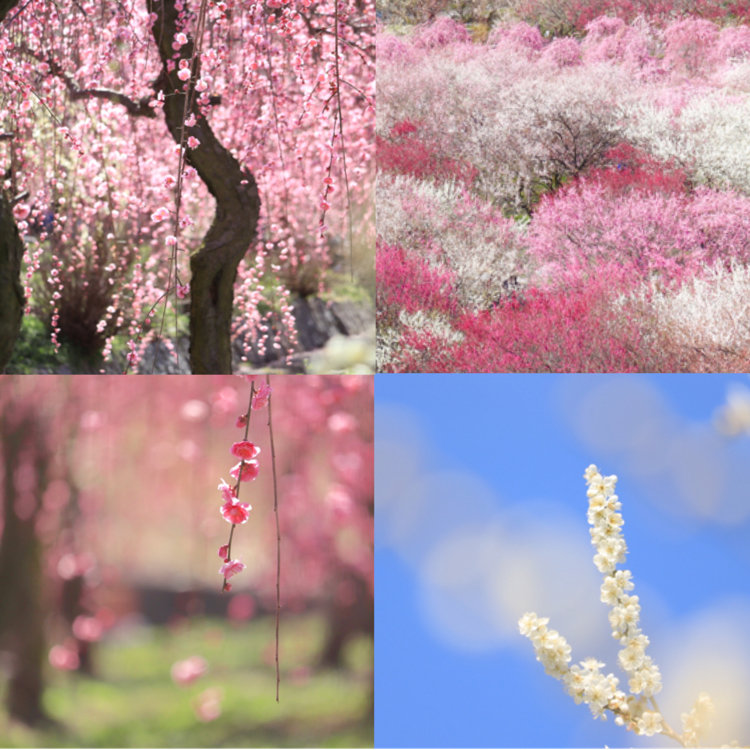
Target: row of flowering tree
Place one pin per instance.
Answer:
(167, 158)
(92, 464)
(557, 203)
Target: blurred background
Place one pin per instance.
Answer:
(481, 516)
(113, 628)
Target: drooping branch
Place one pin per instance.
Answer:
(233, 230)
(139, 108)
(135, 107)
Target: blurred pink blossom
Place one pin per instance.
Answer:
(188, 670)
(64, 657)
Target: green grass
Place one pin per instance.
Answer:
(33, 351)
(134, 703)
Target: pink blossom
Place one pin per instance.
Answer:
(231, 568)
(190, 120)
(21, 211)
(160, 214)
(170, 240)
(261, 397)
(208, 705)
(182, 291)
(249, 470)
(71, 565)
(340, 502)
(245, 450)
(227, 492)
(183, 74)
(87, 628)
(223, 552)
(341, 422)
(188, 670)
(235, 512)
(193, 142)
(180, 39)
(241, 420)
(64, 657)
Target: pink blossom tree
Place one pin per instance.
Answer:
(226, 213)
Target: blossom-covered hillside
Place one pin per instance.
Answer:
(564, 203)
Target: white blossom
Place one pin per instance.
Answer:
(650, 723)
(698, 720)
(585, 681)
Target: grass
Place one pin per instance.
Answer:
(133, 702)
(33, 351)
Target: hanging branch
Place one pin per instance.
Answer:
(233, 510)
(278, 537)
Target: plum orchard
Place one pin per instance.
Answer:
(564, 204)
(268, 108)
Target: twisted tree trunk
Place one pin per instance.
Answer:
(11, 252)
(11, 291)
(214, 265)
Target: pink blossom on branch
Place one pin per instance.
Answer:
(228, 493)
(245, 471)
(245, 450)
(235, 512)
(231, 568)
(261, 397)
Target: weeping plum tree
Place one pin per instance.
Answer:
(225, 213)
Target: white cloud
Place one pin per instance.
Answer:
(686, 467)
(482, 563)
(709, 652)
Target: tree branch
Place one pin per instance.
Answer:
(139, 108)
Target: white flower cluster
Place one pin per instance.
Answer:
(585, 682)
(711, 312)
(551, 648)
(606, 536)
(698, 721)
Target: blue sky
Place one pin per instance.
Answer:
(481, 515)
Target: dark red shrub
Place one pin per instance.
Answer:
(405, 152)
(405, 281)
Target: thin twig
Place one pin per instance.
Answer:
(339, 112)
(278, 539)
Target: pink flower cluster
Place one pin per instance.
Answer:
(232, 510)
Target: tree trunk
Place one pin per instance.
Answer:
(11, 291)
(5, 7)
(346, 619)
(214, 265)
(11, 252)
(25, 458)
